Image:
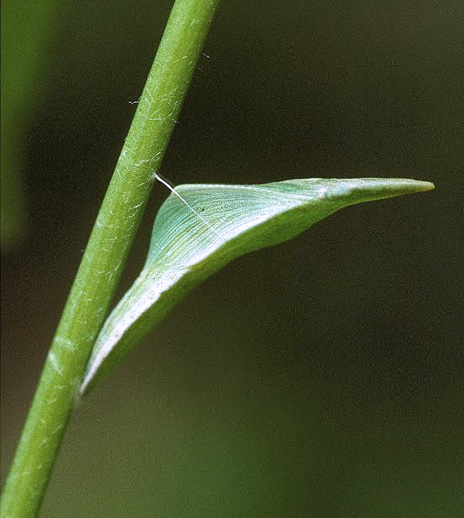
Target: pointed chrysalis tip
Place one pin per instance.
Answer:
(371, 189)
(427, 186)
(410, 185)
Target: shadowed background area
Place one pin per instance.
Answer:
(322, 377)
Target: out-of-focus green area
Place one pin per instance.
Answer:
(27, 31)
(319, 378)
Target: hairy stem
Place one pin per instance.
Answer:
(105, 255)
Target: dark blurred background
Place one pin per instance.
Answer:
(320, 378)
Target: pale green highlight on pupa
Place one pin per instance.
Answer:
(235, 219)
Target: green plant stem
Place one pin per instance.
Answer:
(105, 255)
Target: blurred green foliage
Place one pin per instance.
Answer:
(28, 28)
